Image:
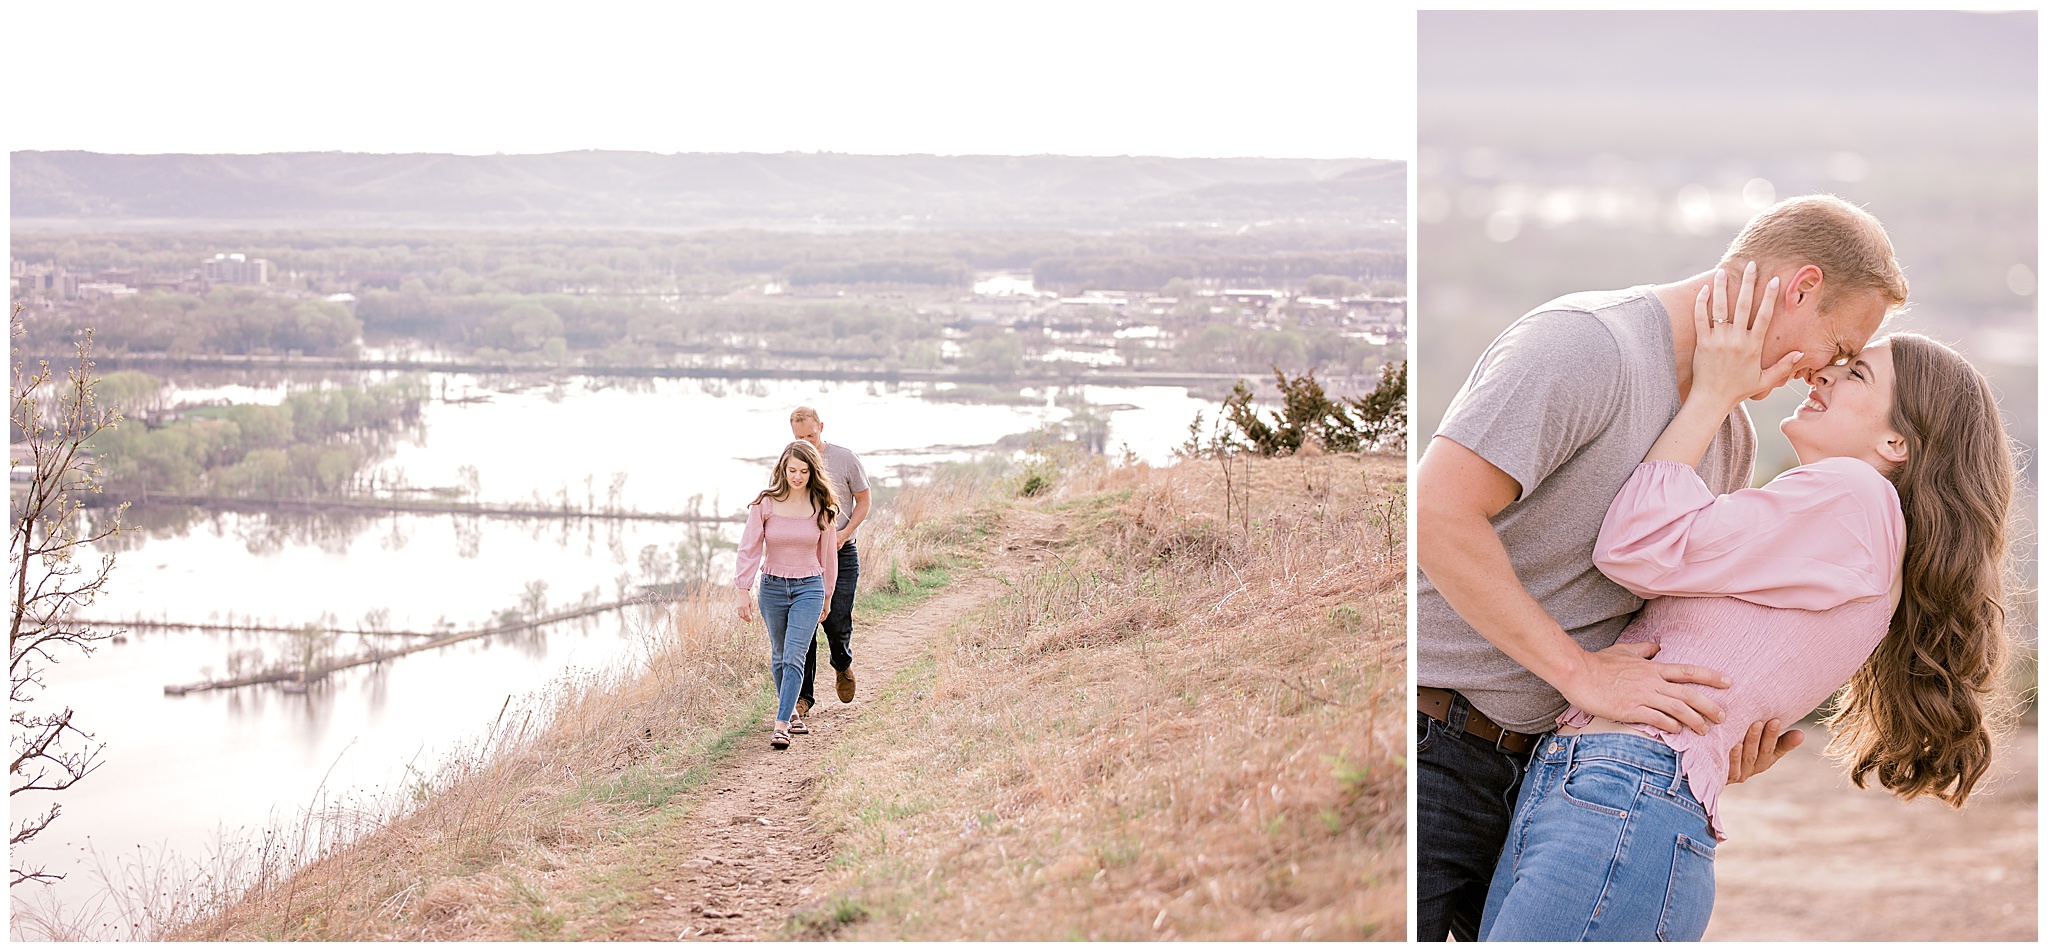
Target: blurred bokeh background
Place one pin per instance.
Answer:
(1561, 152)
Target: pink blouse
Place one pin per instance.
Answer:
(1786, 589)
(790, 548)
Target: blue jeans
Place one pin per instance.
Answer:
(1608, 844)
(791, 607)
(1464, 798)
(838, 621)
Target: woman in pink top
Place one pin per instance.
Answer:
(1873, 564)
(791, 540)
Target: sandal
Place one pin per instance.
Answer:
(797, 726)
(781, 739)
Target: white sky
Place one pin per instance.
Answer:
(1291, 79)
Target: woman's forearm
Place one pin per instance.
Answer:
(1686, 438)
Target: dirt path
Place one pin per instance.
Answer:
(752, 852)
(1813, 858)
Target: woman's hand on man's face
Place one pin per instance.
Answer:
(1728, 347)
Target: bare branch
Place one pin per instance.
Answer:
(50, 751)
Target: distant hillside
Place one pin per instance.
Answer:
(69, 190)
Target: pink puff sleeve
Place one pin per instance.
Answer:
(753, 545)
(828, 559)
(1816, 537)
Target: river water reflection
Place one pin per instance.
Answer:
(184, 774)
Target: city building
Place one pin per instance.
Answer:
(46, 281)
(235, 268)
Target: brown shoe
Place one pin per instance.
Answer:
(845, 684)
(803, 706)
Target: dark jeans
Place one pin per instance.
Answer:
(1464, 800)
(838, 621)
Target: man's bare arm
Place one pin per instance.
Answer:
(1456, 492)
(860, 514)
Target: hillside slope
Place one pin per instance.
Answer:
(1149, 703)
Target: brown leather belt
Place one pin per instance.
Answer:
(1436, 702)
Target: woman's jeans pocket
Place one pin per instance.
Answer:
(1603, 787)
(1690, 898)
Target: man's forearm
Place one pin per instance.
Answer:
(860, 511)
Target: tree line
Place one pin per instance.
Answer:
(615, 299)
(315, 442)
(1144, 272)
(470, 262)
(231, 319)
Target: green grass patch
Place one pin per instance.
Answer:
(1094, 510)
(654, 783)
(537, 921)
(895, 586)
(651, 800)
(884, 810)
(1120, 852)
(847, 910)
(864, 808)
(914, 680)
(900, 588)
(1094, 504)
(1351, 775)
(826, 919)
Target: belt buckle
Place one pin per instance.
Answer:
(1500, 743)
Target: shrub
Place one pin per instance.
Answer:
(1377, 420)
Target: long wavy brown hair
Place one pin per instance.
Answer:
(824, 496)
(1921, 712)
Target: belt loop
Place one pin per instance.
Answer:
(1459, 709)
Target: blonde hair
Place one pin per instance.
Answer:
(805, 413)
(1846, 243)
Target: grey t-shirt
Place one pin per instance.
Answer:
(1566, 401)
(848, 476)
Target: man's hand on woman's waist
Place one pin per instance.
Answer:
(1620, 683)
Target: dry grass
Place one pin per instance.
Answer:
(1184, 722)
(1173, 725)
(555, 823)
(489, 847)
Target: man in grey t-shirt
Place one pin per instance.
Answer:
(1513, 622)
(851, 482)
